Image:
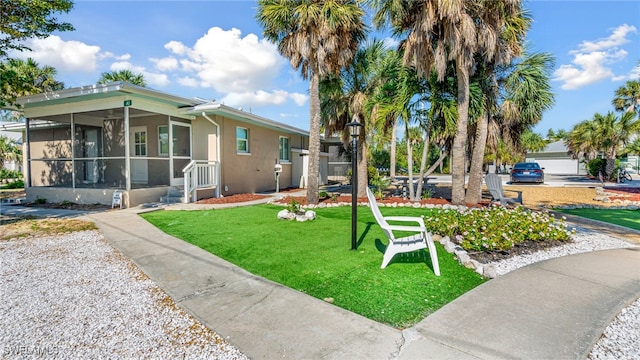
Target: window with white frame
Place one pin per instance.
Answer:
(163, 140)
(242, 140)
(140, 143)
(283, 145)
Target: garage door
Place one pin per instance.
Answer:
(560, 166)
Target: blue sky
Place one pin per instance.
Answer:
(215, 50)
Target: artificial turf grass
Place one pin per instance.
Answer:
(622, 217)
(315, 257)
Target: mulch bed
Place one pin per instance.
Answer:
(626, 193)
(236, 198)
(527, 247)
(347, 199)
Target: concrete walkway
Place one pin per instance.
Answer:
(556, 309)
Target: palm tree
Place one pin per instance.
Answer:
(525, 93)
(613, 133)
(560, 134)
(581, 140)
(22, 78)
(345, 98)
(508, 45)
(122, 75)
(385, 87)
(628, 97)
(441, 31)
(532, 142)
(606, 134)
(9, 150)
(319, 38)
(394, 101)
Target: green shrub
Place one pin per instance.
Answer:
(595, 165)
(496, 228)
(10, 174)
(40, 201)
(18, 184)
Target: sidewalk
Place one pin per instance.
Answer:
(555, 309)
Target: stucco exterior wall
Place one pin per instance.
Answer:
(253, 171)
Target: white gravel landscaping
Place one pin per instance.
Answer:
(74, 296)
(621, 339)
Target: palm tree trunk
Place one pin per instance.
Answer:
(474, 189)
(314, 140)
(392, 155)
(438, 163)
(423, 164)
(458, 148)
(363, 174)
(409, 161)
(610, 164)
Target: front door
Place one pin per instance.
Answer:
(181, 151)
(91, 152)
(139, 150)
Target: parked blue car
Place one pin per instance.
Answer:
(527, 172)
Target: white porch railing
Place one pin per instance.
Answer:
(200, 174)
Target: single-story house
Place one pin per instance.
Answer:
(88, 143)
(556, 159)
(17, 138)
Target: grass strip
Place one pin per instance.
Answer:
(622, 217)
(315, 257)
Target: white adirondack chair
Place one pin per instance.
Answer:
(494, 184)
(420, 240)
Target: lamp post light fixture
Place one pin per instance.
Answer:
(354, 131)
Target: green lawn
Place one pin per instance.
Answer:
(626, 218)
(315, 257)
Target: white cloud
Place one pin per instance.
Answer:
(592, 59)
(152, 79)
(256, 98)
(230, 63)
(617, 38)
(176, 47)
(188, 81)
(635, 73)
(165, 64)
(299, 99)
(63, 55)
(110, 55)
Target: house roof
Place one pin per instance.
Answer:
(184, 106)
(556, 146)
(99, 91)
(214, 107)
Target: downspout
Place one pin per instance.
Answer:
(217, 151)
(27, 149)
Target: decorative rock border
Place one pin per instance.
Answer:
(486, 270)
(298, 216)
(604, 196)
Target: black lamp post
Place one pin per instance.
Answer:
(354, 130)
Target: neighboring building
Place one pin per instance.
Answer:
(82, 144)
(11, 164)
(556, 159)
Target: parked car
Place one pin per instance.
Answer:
(527, 172)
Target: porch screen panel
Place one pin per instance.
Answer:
(181, 141)
(158, 172)
(51, 155)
